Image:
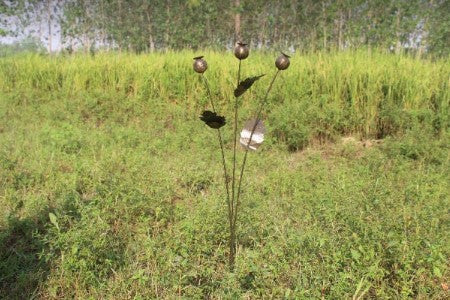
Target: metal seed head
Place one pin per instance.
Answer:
(200, 64)
(241, 51)
(282, 62)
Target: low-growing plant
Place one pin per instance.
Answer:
(251, 137)
(142, 212)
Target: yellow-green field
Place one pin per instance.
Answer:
(111, 187)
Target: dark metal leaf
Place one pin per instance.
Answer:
(245, 85)
(212, 119)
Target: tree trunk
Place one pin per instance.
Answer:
(313, 41)
(349, 39)
(167, 31)
(340, 29)
(237, 21)
(103, 25)
(49, 23)
(368, 33)
(324, 27)
(40, 30)
(120, 40)
(398, 43)
(151, 42)
(425, 31)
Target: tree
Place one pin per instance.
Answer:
(306, 25)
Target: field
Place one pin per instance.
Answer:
(111, 187)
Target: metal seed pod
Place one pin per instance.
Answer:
(282, 62)
(200, 64)
(241, 51)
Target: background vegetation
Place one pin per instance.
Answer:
(110, 185)
(420, 26)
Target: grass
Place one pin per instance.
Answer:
(111, 187)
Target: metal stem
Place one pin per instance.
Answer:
(235, 138)
(258, 116)
(233, 210)
(219, 134)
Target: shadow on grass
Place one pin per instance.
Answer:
(21, 268)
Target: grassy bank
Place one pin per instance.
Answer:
(110, 186)
(322, 96)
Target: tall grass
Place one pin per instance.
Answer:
(110, 186)
(372, 95)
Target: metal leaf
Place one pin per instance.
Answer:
(212, 119)
(258, 134)
(245, 85)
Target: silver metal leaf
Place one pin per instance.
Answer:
(258, 134)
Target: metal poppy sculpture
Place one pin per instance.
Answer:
(251, 136)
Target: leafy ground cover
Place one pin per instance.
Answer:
(111, 187)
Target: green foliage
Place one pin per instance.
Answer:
(418, 26)
(27, 45)
(439, 36)
(111, 188)
(413, 146)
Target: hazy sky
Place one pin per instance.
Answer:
(33, 31)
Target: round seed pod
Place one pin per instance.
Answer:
(241, 51)
(282, 62)
(200, 64)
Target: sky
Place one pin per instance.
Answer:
(31, 31)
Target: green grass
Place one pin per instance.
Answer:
(111, 187)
